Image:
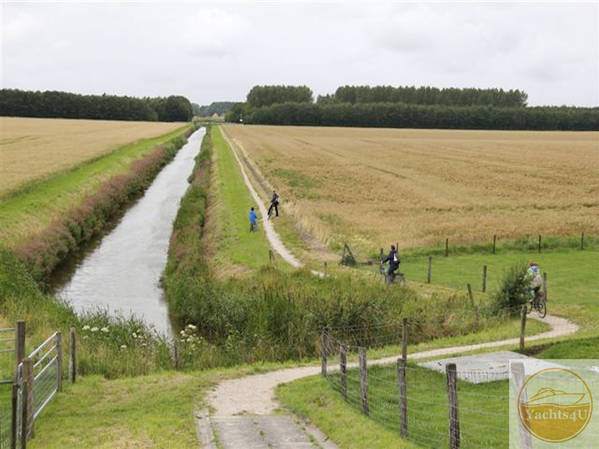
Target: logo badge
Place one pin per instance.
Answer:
(555, 405)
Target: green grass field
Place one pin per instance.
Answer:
(30, 209)
(236, 248)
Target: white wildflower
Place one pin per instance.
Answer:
(192, 327)
(104, 329)
(134, 335)
(94, 329)
(86, 327)
(182, 332)
(123, 346)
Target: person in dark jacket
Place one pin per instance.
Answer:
(393, 259)
(274, 204)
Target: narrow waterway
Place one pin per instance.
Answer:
(122, 272)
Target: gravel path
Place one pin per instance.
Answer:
(236, 402)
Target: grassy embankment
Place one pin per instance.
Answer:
(76, 205)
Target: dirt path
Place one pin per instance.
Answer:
(255, 394)
(244, 407)
(271, 234)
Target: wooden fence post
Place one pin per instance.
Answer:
(517, 379)
(364, 381)
(484, 278)
(176, 354)
(404, 339)
(73, 357)
(545, 284)
(381, 255)
(470, 295)
(19, 343)
(446, 247)
(59, 361)
(522, 326)
(343, 370)
(430, 266)
(403, 397)
(494, 242)
(27, 402)
(325, 267)
(582, 241)
(539, 242)
(323, 352)
(271, 256)
(452, 400)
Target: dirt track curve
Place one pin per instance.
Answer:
(242, 408)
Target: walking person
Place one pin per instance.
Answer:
(253, 220)
(274, 204)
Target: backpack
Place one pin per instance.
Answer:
(395, 257)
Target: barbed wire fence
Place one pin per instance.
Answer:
(430, 408)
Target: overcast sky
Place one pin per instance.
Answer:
(211, 51)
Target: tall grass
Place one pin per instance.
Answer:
(274, 315)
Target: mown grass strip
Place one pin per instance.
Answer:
(235, 244)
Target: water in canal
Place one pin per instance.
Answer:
(122, 272)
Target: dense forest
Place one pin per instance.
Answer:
(261, 96)
(53, 104)
(216, 107)
(427, 96)
(411, 107)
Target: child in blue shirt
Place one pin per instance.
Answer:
(253, 218)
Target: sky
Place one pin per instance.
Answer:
(216, 51)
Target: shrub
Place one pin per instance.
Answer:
(512, 292)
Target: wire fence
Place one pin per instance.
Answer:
(450, 407)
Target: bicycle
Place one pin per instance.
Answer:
(539, 303)
(390, 279)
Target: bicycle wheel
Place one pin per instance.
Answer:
(542, 306)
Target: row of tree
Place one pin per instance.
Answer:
(261, 96)
(426, 95)
(54, 104)
(216, 107)
(400, 115)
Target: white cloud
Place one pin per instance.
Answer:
(218, 50)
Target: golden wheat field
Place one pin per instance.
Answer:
(32, 148)
(370, 187)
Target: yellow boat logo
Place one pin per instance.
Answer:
(560, 408)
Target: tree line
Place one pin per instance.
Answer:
(427, 95)
(407, 107)
(400, 115)
(54, 104)
(216, 107)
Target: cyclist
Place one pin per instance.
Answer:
(393, 259)
(534, 280)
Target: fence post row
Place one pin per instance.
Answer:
(323, 351)
(484, 278)
(452, 400)
(403, 397)
(522, 326)
(73, 357)
(428, 273)
(364, 381)
(343, 370)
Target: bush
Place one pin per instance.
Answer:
(512, 291)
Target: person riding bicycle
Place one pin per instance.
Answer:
(534, 279)
(393, 259)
